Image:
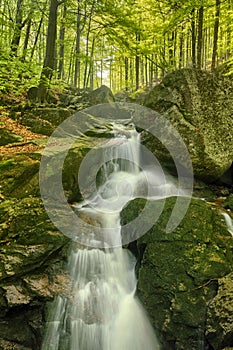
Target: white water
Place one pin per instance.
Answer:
(101, 311)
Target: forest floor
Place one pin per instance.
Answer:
(27, 145)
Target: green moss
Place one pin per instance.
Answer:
(7, 164)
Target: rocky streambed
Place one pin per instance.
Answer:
(185, 278)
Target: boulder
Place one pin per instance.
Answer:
(100, 95)
(199, 105)
(32, 255)
(179, 274)
(19, 175)
(44, 120)
(220, 315)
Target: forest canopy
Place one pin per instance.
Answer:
(125, 44)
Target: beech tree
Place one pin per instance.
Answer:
(127, 44)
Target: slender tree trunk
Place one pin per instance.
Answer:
(90, 76)
(49, 61)
(137, 65)
(215, 40)
(62, 46)
(171, 39)
(200, 37)
(126, 74)
(85, 83)
(37, 36)
(26, 40)
(193, 30)
(77, 80)
(18, 28)
(181, 45)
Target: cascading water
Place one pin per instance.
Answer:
(101, 312)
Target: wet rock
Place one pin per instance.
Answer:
(200, 107)
(179, 271)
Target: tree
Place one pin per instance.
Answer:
(50, 59)
(215, 39)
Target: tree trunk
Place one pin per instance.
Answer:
(49, 61)
(126, 74)
(181, 44)
(90, 76)
(200, 37)
(26, 40)
(37, 36)
(85, 82)
(193, 30)
(18, 28)
(137, 65)
(62, 46)
(215, 40)
(77, 79)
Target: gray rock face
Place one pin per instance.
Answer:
(200, 107)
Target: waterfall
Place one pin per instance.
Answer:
(101, 311)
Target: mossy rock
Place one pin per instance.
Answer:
(220, 315)
(179, 271)
(32, 257)
(19, 175)
(7, 136)
(200, 108)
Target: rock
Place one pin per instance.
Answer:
(45, 120)
(14, 296)
(29, 236)
(219, 328)
(32, 257)
(7, 136)
(19, 175)
(178, 272)
(32, 93)
(100, 95)
(200, 107)
(6, 345)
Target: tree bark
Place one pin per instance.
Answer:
(85, 80)
(79, 28)
(215, 40)
(193, 30)
(18, 28)
(200, 37)
(137, 65)
(49, 61)
(126, 74)
(26, 40)
(62, 46)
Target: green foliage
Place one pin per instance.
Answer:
(16, 76)
(101, 41)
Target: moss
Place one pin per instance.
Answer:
(179, 270)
